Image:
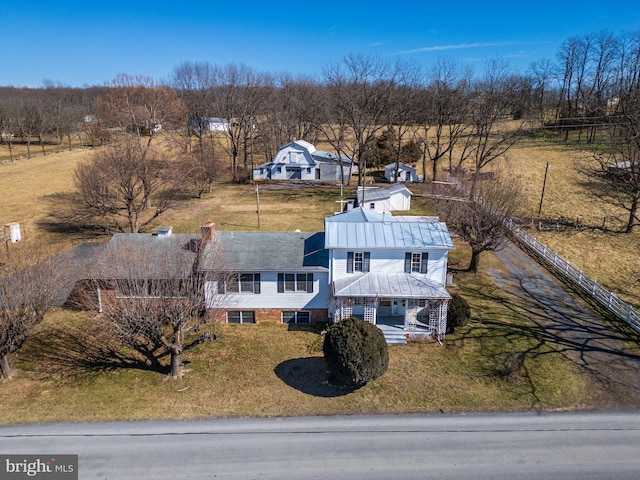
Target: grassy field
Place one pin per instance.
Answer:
(268, 370)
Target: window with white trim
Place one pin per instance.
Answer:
(358, 261)
(416, 262)
(241, 316)
(296, 316)
(240, 283)
(295, 282)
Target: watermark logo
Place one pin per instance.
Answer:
(49, 467)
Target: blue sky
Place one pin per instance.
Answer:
(89, 42)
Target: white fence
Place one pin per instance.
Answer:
(604, 297)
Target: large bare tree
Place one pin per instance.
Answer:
(445, 109)
(127, 185)
(613, 174)
(491, 134)
(238, 95)
(152, 294)
(481, 220)
(30, 286)
(358, 93)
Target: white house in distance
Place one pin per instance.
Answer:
(390, 271)
(385, 199)
(209, 124)
(405, 173)
(300, 160)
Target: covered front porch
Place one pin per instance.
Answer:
(411, 318)
(395, 302)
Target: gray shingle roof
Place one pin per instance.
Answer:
(144, 255)
(269, 251)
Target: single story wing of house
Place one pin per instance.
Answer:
(300, 160)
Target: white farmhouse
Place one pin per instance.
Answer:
(390, 271)
(300, 160)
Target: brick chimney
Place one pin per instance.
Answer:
(207, 230)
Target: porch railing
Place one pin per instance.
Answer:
(562, 267)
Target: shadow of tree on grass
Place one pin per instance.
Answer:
(310, 375)
(87, 351)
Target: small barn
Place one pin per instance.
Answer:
(405, 173)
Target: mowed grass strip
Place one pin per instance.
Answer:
(271, 370)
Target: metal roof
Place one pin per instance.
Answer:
(268, 251)
(364, 230)
(398, 285)
(357, 215)
(402, 166)
(380, 193)
(323, 156)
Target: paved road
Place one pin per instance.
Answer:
(497, 446)
(560, 318)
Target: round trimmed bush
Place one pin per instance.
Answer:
(356, 351)
(458, 313)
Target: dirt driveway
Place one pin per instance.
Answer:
(566, 320)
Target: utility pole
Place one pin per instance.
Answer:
(544, 184)
(258, 202)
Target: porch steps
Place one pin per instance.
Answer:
(393, 335)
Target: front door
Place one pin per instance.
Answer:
(394, 307)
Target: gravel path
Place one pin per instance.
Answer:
(566, 320)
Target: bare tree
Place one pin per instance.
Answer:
(290, 113)
(445, 105)
(543, 94)
(238, 94)
(357, 98)
(127, 185)
(613, 174)
(195, 82)
(152, 294)
(403, 109)
(30, 284)
(481, 220)
(198, 170)
(140, 106)
(491, 135)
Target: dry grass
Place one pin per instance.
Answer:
(270, 370)
(613, 259)
(26, 186)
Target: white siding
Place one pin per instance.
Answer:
(400, 201)
(269, 296)
(392, 261)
